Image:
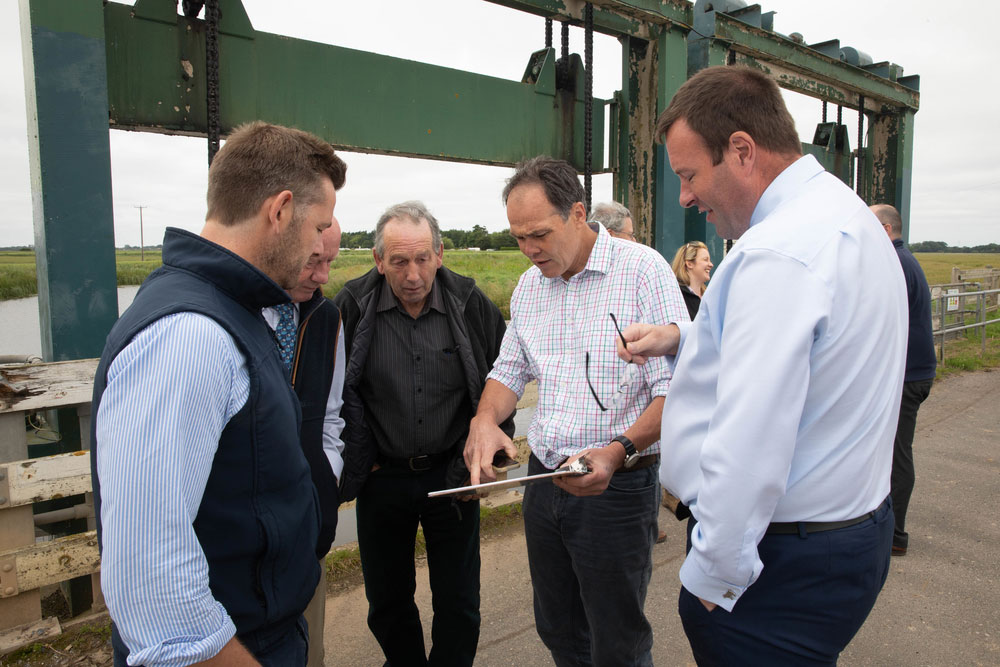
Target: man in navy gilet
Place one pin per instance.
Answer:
(207, 516)
(921, 367)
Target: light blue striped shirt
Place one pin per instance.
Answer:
(785, 395)
(170, 394)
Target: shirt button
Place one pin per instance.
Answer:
(420, 421)
(418, 357)
(419, 390)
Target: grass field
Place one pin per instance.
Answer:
(937, 265)
(496, 273)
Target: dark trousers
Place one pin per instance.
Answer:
(590, 561)
(903, 476)
(814, 593)
(390, 506)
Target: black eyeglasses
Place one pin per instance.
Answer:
(628, 377)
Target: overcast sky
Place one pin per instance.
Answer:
(956, 176)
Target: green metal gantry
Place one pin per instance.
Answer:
(92, 65)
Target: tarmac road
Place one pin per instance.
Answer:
(940, 605)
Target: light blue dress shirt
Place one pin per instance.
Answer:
(786, 389)
(169, 395)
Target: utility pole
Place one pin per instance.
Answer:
(142, 242)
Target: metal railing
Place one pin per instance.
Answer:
(955, 306)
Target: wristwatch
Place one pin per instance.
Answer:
(632, 455)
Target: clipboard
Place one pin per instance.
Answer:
(575, 469)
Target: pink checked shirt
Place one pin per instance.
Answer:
(556, 322)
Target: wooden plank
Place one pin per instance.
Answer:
(28, 633)
(42, 386)
(17, 530)
(46, 478)
(52, 562)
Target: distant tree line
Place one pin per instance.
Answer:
(941, 246)
(477, 237)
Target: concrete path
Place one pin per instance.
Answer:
(940, 605)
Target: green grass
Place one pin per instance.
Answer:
(937, 265)
(965, 353)
(496, 273)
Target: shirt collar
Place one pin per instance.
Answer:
(601, 255)
(387, 300)
(785, 185)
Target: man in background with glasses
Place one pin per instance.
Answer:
(589, 538)
(616, 219)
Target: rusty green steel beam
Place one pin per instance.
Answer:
(70, 164)
(354, 99)
(619, 18)
(797, 67)
(891, 162)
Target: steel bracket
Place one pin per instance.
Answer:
(8, 577)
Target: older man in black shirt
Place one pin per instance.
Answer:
(420, 342)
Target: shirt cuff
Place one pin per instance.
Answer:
(512, 382)
(709, 588)
(187, 650)
(336, 463)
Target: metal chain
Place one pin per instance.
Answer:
(824, 111)
(212, 75)
(859, 180)
(565, 41)
(548, 33)
(588, 101)
(840, 115)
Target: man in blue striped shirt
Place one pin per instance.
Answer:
(207, 516)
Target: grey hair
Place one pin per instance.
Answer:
(415, 212)
(611, 214)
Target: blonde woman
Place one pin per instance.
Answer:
(692, 266)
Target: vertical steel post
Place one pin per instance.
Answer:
(982, 320)
(891, 162)
(670, 227)
(65, 73)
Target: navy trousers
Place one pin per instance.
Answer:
(590, 561)
(814, 594)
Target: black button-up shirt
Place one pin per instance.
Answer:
(413, 383)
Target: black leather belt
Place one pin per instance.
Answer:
(421, 463)
(642, 463)
(796, 527)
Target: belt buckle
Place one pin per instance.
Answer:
(424, 459)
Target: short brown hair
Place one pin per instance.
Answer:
(558, 179)
(718, 101)
(260, 160)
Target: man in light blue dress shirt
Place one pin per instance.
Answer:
(779, 425)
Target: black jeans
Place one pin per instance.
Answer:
(391, 504)
(903, 476)
(590, 560)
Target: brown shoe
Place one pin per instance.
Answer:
(662, 537)
(898, 551)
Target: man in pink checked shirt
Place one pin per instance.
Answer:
(589, 538)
